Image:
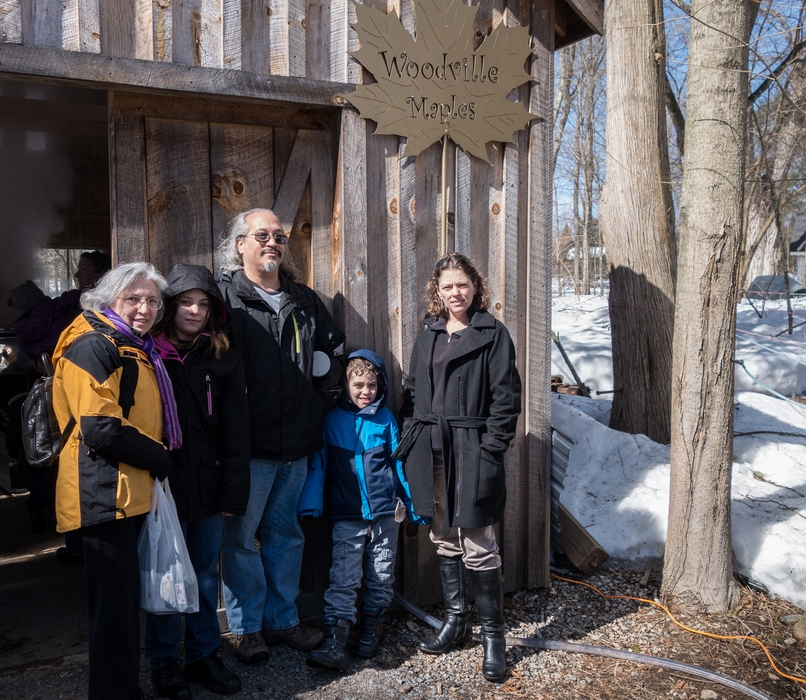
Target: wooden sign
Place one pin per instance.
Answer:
(435, 84)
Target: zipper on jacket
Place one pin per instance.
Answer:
(209, 396)
(296, 333)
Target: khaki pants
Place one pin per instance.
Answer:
(475, 545)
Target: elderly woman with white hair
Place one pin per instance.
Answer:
(114, 401)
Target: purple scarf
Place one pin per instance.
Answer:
(146, 343)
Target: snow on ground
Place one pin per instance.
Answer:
(617, 485)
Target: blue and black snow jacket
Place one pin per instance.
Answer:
(355, 467)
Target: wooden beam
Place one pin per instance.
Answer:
(127, 180)
(537, 398)
(209, 110)
(322, 216)
(295, 177)
(589, 11)
(108, 72)
(585, 553)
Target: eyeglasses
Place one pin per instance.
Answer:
(137, 302)
(264, 236)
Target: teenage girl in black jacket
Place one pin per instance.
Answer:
(210, 475)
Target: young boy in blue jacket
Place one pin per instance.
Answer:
(368, 497)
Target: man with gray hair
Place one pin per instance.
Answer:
(293, 357)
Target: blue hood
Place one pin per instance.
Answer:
(380, 400)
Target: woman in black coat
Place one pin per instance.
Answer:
(461, 403)
(210, 474)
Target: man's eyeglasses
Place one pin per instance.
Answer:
(137, 302)
(264, 236)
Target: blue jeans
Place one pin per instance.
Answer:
(202, 633)
(260, 587)
(351, 538)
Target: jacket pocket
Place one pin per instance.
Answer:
(491, 484)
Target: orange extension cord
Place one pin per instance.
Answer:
(689, 629)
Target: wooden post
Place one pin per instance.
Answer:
(537, 399)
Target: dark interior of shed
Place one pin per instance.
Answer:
(54, 204)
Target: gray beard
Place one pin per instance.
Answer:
(270, 266)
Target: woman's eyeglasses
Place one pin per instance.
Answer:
(137, 302)
(264, 236)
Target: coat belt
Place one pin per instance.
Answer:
(445, 423)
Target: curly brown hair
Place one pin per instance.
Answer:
(358, 366)
(455, 261)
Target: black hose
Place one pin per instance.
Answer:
(574, 648)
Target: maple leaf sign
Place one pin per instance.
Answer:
(436, 84)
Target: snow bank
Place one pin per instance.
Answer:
(617, 486)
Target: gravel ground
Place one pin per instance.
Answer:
(566, 612)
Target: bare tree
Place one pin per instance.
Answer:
(767, 193)
(636, 219)
(697, 572)
(563, 97)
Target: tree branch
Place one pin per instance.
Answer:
(765, 85)
(673, 106)
(682, 5)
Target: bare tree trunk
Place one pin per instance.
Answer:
(697, 572)
(592, 63)
(563, 98)
(576, 222)
(636, 218)
(764, 255)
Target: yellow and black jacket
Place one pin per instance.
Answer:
(109, 386)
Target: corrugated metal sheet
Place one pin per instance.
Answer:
(560, 451)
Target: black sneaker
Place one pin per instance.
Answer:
(211, 672)
(168, 682)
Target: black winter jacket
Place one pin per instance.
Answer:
(210, 471)
(482, 402)
(286, 402)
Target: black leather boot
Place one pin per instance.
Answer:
(456, 629)
(367, 645)
(331, 651)
(489, 590)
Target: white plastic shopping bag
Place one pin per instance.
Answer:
(167, 580)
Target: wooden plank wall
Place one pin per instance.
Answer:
(373, 246)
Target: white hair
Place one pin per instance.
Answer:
(238, 227)
(117, 281)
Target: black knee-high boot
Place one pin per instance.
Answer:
(456, 628)
(489, 590)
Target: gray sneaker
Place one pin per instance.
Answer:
(251, 649)
(299, 637)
